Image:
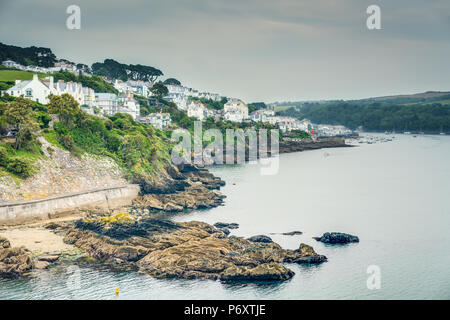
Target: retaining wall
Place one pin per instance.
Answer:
(105, 198)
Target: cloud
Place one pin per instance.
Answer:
(253, 49)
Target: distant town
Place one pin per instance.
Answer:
(189, 100)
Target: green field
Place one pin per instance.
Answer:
(12, 75)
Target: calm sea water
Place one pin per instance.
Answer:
(394, 196)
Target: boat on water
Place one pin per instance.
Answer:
(443, 133)
(406, 132)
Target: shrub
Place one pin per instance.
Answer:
(20, 166)
(44, 119)
(3, 156)
(60, 128)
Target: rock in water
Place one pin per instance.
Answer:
(261, 238)
(220, 225)
(304, 254)
(337, 238)
(264, 272)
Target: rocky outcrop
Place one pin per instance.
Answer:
(260, 238)
(187, 250)
(290, 233)
(14, 262)
(199, 191)
(222, 225)
(337, 238)
(293, 145)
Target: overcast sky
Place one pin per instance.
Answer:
(257, 50)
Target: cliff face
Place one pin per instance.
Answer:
(59, 172)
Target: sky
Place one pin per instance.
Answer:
(256, 50)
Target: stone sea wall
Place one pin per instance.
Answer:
(41, 209)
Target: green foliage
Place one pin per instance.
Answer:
(3, 156)
(66, 107)
(43, 119)
(112, 69)
(20, 166)
(254, 106)
(159, 90)
(20, 114)
(38, 56)
(172, 81)
(377, 116)
(211, 104)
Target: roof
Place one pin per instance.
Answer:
(20, 85)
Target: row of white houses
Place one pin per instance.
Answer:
(108, 104)
(58, 66)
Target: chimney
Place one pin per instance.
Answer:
(51, 83)
(18, 81)
(35, 77)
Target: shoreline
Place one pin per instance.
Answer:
(61, 236)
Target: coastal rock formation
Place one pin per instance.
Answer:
(264, 272)
(198, 191)
(187, 250)
(13, 261)
(337, 237)
(290, 233)
(261, 238)
(293, 145)
(222, 225)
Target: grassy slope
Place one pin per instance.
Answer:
(12, 75)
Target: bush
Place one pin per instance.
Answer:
(60, 128)
(44, 119)
(20, 166)
(3, 156)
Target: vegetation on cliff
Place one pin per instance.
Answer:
(137, 147)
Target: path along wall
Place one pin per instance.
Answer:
(41, 209)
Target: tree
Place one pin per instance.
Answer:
(172, 81)
(115, 70)
(66, 107)
(159, 90)
(20, 114)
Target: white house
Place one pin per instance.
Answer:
(196, 109)
(89, 97)
(34, 89)
(129, 105)
(235, 110)
(158, 120)
(10, 64)
(108, 103)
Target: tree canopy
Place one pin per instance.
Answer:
(172, 81)
(38, 56)
(115, 70)
(159, 90)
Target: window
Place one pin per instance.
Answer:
(29, 92)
